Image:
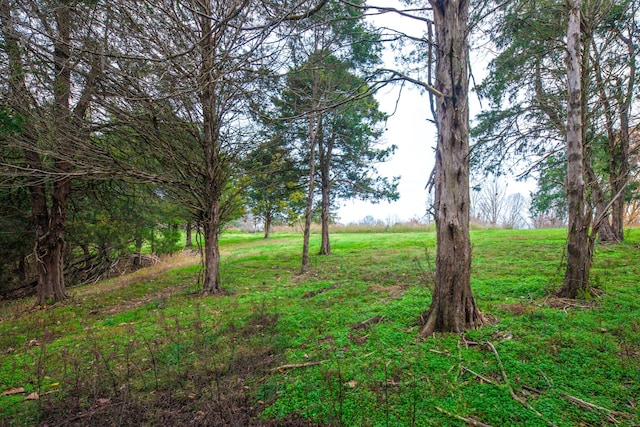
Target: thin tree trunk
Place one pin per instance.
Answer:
(325, 167)
(453, 308)
(306, 235)
(137, 260)
(606, 231)
(619, 186)
(576, 277)
(267, 224)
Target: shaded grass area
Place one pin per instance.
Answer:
(337, 346)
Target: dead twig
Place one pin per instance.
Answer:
(296, 366)
(373, 320)
(477, 375)
(591, 406)
(465, 419)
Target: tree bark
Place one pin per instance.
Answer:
(211, 283)
(49, 224)
(325, 167)
(267, 223)
(189, 229)
(214, 176)
(453, 308)
(576, 277)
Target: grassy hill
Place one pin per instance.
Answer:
(337, 346)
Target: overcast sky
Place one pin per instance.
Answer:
(413, 160)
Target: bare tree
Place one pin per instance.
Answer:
(491, 203)
(515, 205)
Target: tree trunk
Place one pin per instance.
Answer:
(306, 235)
(576, 277)
(619, 186)
(49, 250)
(325, 168)
(138, 258)
(211, 283)
(604, 228)
(453, 308)
(214, 179)
(189, 229)
(267, 224)
(50, 225)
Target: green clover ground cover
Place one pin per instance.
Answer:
(336, 346)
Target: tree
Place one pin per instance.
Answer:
(347, 152)
(186, 103)
(549, 201)
(274, 190)
(492, 202)
(579, 246)
(526, 88)
(49, 79)
(453, 307)
(325, 100)
(515, 204)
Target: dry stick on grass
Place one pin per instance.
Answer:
(477, 375)
(508, 384)
(296, 366)
(465, 419)
(591, 406)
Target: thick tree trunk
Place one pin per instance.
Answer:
(211, 283)
(579, 249)
(453, 308)
(49, 226)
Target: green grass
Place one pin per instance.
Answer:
(345, 335)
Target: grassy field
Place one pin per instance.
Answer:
(337, 346)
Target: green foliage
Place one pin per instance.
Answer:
(274, 192)
(10, 122)
(344, 337)
(550, 200)
(170, 240)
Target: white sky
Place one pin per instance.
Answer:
(415, 138)
(413, 160)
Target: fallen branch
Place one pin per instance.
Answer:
(511, 391)
(296, 366)
(373, 320)
(465, 419)
(483, 378)
(591, 406)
